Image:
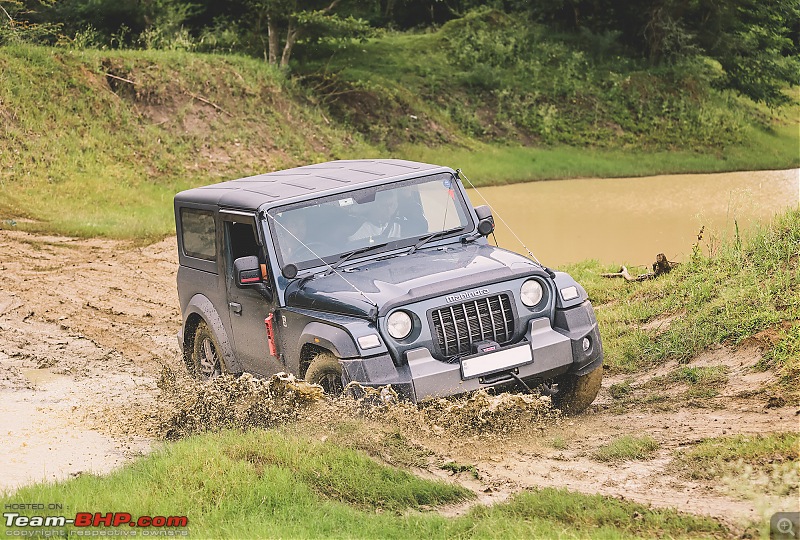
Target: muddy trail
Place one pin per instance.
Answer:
(90, 378)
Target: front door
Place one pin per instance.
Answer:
(247, 307)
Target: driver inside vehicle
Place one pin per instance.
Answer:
(380, 219)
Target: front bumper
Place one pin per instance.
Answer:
(551, 353)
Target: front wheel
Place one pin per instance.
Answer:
(207, 362)
(326, 371)
(572, 393)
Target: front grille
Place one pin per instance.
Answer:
(460, 325)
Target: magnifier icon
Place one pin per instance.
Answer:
(785, 526)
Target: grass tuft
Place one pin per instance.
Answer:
(626, 448)
(769, 463)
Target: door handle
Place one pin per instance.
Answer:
(236, 307)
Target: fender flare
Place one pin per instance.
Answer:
(335, 339)
(200, 305)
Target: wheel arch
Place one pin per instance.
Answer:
(317, 335)
(200, 309)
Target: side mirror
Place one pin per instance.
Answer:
(485, 220)
(247, 271)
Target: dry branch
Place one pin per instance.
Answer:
(120, 78)
(661, 266)
(207, 102)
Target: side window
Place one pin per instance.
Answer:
(242, 240)
(199, 234)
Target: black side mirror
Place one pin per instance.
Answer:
(247, 271)
(485, 220)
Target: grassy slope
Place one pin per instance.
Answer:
(749, 285)
(86, 153)
(556, 110)
(98, 142)
(270, 485)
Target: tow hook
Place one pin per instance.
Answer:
(521, 382)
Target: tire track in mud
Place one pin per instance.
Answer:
(88, 332)
(84, 325)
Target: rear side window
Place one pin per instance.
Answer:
(199, 234)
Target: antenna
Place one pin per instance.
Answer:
(460, 173)
(331, 268)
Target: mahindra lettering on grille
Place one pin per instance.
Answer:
(458, 326)
(465, 295)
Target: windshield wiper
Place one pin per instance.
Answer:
(425, 239)
(350, 254)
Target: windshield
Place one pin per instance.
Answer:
(397, 215)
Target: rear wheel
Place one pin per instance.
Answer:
(573, 394)
(206, 358)
(326, 371)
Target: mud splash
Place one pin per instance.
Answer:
(247, 402)
(227, 402)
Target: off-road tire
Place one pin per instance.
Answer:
(206, 355)
(326, 371)
(576, 393)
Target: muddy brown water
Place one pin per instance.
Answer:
(630, 220)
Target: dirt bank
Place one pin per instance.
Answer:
(88, 326)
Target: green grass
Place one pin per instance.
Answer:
(627, 448)
(559, 443)
(456, 468)
(748, 285)
(785, 358)
(713, 375)
(768, 463)
(487, 79)
(85, 153)
(620, 390)
(494, 164)
(268, 485)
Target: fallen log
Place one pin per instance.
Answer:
(661, 266)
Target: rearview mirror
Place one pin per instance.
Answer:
(247, 271)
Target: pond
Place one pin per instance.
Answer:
(630, 220)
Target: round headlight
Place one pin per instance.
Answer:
(531, 293)
(399, 324)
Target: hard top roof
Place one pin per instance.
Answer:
(252, 192)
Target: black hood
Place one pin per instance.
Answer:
(400, 279)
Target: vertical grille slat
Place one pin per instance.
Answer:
(466, 320)
(478, 316)
(439, 326)
(459, 326)
(491, 316)
(455, 328)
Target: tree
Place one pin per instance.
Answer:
(21, 21)
(755, 41)
(285, 21)
(752, 41)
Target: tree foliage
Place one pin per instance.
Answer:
(755, 42)
(20, 21)
(287, 21)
